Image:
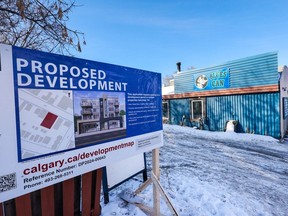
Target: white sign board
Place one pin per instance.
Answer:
(120, 171)
(62, 117)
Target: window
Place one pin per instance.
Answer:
(197, 109)
(165, 110)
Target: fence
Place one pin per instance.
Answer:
(73, 197)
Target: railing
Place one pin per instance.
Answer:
(86, 112)
(86, 104)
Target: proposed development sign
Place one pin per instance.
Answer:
(61, 117)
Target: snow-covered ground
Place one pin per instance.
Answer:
(214, 173)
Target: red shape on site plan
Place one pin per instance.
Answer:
(49, 120)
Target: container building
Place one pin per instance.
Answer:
(250, 92)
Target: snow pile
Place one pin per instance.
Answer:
(214, 173)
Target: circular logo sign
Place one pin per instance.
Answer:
(201, 81)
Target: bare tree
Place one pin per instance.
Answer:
(39, 24)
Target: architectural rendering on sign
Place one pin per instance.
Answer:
(102, 116)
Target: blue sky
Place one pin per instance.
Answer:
(155, 34)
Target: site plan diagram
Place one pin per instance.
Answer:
(46, 121)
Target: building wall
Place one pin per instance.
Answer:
(178, 108)
(256, 113)
(284, 100)
(250, 95)
(259, 70)
(99, 114)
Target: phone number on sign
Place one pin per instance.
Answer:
(58, 176)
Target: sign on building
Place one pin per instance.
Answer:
(212, 80)
(63, 116)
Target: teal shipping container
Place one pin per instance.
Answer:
(245, 91)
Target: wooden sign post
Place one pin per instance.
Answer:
(155, 175)
(157, 188)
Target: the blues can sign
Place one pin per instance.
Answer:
(63, 116)
(213, 80)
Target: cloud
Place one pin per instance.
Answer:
(169, 24)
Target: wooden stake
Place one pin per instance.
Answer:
(68, 195)
(156, 171)
(143, 186)
(157, 189)
(47, 201)
(157, 184)
(23, 205)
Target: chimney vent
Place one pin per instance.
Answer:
(178, 67)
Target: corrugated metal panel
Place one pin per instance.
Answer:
(256, 113)
(178, 108)
(247, 72)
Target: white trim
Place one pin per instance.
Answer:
(202, 107)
